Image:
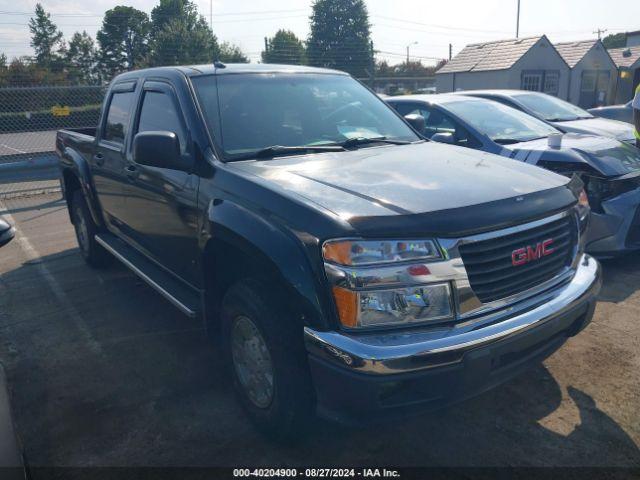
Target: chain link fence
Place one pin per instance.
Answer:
(30, 116)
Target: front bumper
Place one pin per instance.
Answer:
(614, 232)
(359, 376)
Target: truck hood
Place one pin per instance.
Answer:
(599, 126)
(607, 156)
(402, 180)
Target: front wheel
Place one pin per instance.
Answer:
(265, 352)
(92, 252)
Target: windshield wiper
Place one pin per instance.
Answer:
(562, 119)
(276, 150)
(357, 141)
(506, 141)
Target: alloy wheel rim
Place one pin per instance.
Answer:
(252, 362)
(82, 232)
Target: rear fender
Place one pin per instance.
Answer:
(74, 164)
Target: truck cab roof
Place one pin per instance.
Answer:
(228, 69)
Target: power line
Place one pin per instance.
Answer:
(430, 25)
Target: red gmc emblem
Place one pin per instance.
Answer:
(527, 254)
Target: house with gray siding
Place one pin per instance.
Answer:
(525, 63)
(627, 59)
(633, 39)
(592, 74)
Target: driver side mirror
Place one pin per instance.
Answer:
(444, 137)
(158, 149)
(417, 122)
(7, 232)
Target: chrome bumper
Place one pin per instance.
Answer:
(395, 352)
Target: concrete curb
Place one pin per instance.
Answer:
(38, 161)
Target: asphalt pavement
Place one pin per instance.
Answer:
(103, 371)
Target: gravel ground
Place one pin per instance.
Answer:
(103, 371)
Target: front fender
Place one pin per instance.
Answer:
(294, 257)
(73, 163)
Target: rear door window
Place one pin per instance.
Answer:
(118, 117)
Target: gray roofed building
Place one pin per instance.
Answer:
(498, 55)
(593, 73)
(526, 63)
(573, 52)
(627, 59)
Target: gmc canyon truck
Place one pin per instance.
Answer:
(347, 266)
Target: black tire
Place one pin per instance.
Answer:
(291, 405)
(92, 252)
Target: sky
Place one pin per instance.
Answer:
(395, 23)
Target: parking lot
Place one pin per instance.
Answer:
(103, 371)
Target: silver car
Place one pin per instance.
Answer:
(563, 115)
(622, 113)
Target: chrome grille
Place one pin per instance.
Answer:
(489, 265)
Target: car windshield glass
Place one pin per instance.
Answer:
(500, 123)
(250, 112)
(551, 108)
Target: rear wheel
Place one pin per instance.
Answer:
(267, 361)
(93, 253)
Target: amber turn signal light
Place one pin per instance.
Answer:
(347, 304)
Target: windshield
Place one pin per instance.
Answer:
(551, 108)
(250, 112)
(500, 123)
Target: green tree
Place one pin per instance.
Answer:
(3, 61)
(123, 40)
(340, 36)
(284, 47)
(46, 39)
(179, 35)
(615, 40)
(81, 58)
(231, 53)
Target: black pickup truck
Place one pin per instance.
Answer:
(348, 266)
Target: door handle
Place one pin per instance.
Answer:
(99, 158)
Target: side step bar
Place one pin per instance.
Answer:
(186, 299)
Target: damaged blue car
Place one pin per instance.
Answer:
(610, 169)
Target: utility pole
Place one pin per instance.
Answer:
(518, 21)
(450, 51)
(413, 43)
(372, 66)
(211, 14)
(600, 31)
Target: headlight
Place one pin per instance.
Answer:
(370, 252)
(411, 295)
(397, 307)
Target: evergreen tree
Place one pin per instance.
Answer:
(46, 39)
(231, 53)
(285, 48)
(615, 40)
(81, 58)
(340, 36)
(123, 40)
(179, 35)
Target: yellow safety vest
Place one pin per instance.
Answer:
(635, 131)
